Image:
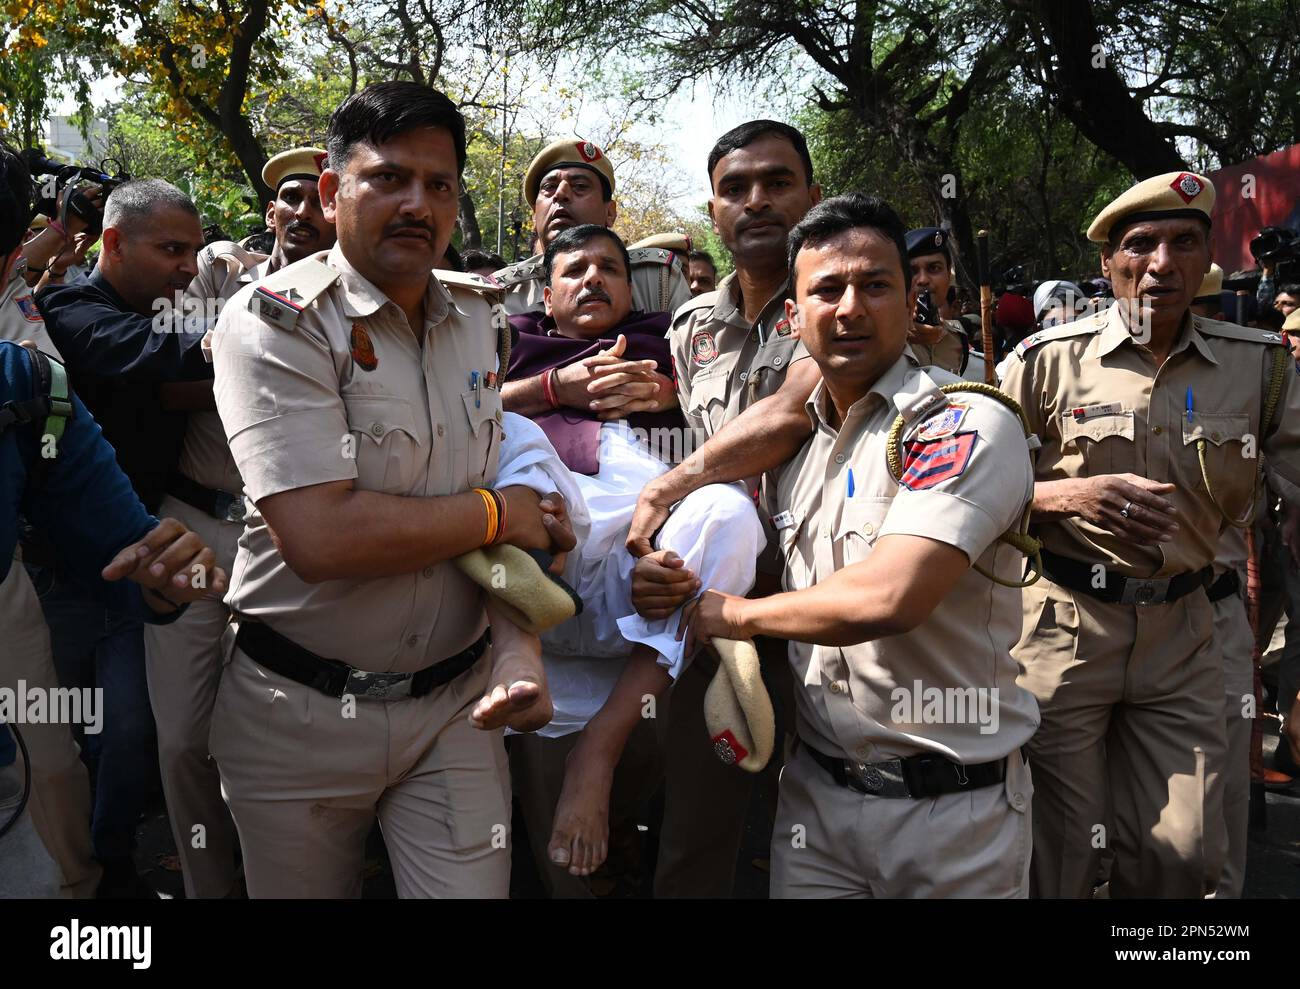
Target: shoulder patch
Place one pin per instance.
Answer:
(523, 271)
(943, 423)
(1233, 331)
(27, 306)
(280, 297)
(490, 290)
(931, 462)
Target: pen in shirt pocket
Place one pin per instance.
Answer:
(850, 482)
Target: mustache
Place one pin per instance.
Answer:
(396, 228)
(586, 295)
(301, 225)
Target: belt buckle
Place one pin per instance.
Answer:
(378, 686)
(235, 510)
(1144, 592)
(874, 779)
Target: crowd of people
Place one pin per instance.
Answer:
(469, 549)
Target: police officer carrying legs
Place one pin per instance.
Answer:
(360, 392)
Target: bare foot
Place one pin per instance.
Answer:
(580, 834)
(517, 697)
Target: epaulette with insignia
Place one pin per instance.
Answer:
(220, 250)
(705, 301)
(491, 289)
(522, 271)
(281, 296)
(919, 397)
(652, 255)
(1090, 324)
(1234, 331)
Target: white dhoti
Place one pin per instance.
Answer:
(715, 530)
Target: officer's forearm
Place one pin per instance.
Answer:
(1054, 500)
(890, 593)
(44, 248)
(766, 435)
(525, 397)
(333, 532)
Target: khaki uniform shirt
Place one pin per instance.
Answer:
(659, 282)
(877, 701)
(946, 353)
(224, 269)
(350, 393)
(1101, 406)
(20, 319)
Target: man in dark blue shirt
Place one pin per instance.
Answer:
(70, 489)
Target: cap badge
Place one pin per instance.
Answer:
(1188, 186)
(589, 152)
(938, 238)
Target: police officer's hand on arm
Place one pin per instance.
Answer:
(333, 531)
(890, 593)
(764, 436)
(1125, 505)
(173, 566)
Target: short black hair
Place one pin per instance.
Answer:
(475, 258)
(383, 110)
(1290, 288)
(15, 200)
(704, 256)
(748, 133)
(834, 216)
(576, 237)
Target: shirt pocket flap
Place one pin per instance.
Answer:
(1216, 427)
(776, 353)
(482, 406)
(1097, 428)
(863, 518)
(375, 416)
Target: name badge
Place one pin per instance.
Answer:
(783, 521)
(1092, 411)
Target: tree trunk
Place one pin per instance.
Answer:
(1089, 91)
(471, 237)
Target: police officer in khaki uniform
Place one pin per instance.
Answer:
(942, 345)
(907, 778)
(731, 347)
(570, 183)
(1152, 422)
(359, 390)
(184, 658)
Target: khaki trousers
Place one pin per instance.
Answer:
(306, 776)
(1131, 700)
(705, 800)
(183, 661)
(1233, 638)
(59, 804)
(834, 842)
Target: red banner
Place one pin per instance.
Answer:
(1261, 192)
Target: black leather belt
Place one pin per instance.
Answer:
(1116, 588)
(221, 505)
(1228, 585)
(917, 776)
(267, 647)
